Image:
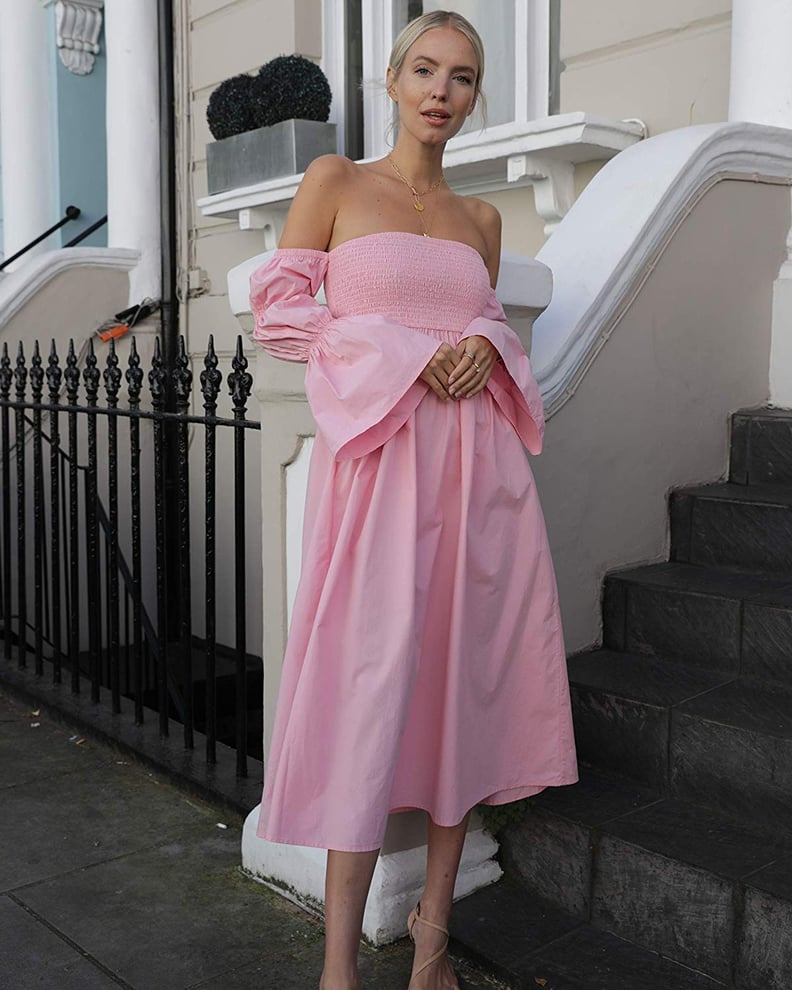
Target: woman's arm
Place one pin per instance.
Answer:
(310, 220)
(466, 380)
(490, 224)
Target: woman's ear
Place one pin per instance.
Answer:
(390, 84)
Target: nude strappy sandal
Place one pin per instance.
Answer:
(415, 915)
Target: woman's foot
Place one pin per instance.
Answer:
(430, 940)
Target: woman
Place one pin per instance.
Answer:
(425, 666)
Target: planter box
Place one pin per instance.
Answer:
(266, 153)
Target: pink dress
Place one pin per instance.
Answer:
(425, 665)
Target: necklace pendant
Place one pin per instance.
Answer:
(425, 234)
(418, 206)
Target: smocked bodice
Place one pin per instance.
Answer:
(421, 282)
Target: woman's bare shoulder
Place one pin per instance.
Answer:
(329, 168)
(315, 205)
(484, 216)
(487, 221)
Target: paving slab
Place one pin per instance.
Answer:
(88, 816)
(33, 748)
(114, 877)
(33, 956)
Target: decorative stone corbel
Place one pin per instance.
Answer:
(269, 219)
(78, 24)
(553, 183)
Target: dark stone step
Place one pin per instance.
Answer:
(686, 732)
(764, 957)
(701, 888)
(731, 749)
(529, 943)
(725, 524)
(761, 447)
(622, 706)
(725, 619)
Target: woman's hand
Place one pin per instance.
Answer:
(437, 372)
(475, 359)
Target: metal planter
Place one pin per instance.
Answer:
(286, 148)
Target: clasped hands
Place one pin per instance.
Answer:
(461, 372)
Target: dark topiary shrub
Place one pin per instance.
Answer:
(291, 86)
(231, 107)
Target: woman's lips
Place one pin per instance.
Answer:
(435, 117)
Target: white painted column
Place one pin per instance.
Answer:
(781, 331)
(761, 67)
(133, 154)
(29, 155)
(761, 92)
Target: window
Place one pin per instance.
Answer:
(517, 80)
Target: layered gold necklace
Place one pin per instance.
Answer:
(417, 197)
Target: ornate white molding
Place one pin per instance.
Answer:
(616, 231)
(78, 24)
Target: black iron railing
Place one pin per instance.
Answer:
(76, 584)
(87, 232)
(71, 213)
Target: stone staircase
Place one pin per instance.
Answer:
(670, 864)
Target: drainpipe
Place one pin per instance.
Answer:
(169, 332)
(170, 304)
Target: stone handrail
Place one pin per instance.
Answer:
(612, 238)
(19, 287)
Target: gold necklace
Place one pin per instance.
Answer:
(417, 203)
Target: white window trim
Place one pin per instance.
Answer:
(531, 61)
(333, 34)
(377, 43)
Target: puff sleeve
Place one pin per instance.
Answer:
(511, 383)
(362, 372)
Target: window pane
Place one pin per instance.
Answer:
(494, 20)
(353, 97)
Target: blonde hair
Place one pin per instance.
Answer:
(441, 18)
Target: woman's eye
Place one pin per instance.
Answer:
(421, 68)
(465, 79)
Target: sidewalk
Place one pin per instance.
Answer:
(110, 876)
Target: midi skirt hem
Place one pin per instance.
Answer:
(502, 795)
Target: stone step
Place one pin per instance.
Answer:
(529, 943)
(727, 620)
(687, 732)
(700, 888)
(761, 447)
(731, 749)
(622, 705)
(731, 525)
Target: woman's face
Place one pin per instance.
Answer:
(436, 85)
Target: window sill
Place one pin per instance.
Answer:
(542, 153)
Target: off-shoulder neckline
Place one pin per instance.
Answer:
(383, 233)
